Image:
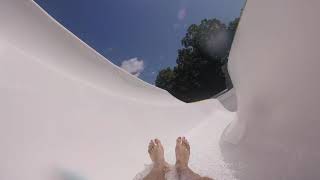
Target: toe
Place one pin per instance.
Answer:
(179, 139)
(157, 142)
(151, 146)
(186, 143)
(184, 139)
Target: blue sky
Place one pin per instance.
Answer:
(142, 36)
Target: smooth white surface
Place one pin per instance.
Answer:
(275, 67)
(228, 99)
(67, 111)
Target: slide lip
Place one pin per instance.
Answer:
(96, 52)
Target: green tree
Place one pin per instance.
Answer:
(165, 79)
(201, 71)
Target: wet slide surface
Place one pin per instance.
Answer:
(67, 113)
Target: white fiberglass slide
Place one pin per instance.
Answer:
(67, 113)
(65, 110)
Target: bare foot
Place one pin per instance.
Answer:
(156, 153)
(160, 166)
(182, 156)
(182, 153)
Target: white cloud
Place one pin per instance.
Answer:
(133, 66)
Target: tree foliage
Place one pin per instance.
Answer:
(200, 72)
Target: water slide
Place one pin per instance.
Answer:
(67, 113)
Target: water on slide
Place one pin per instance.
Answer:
(66, 112)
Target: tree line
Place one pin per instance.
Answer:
(201, 64)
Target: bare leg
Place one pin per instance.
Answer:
(156, 153)
(182, 159)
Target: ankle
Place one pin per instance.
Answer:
(160, 165)
(181, 166)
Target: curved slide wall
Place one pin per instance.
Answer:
(275, 67)
(67, 113)
(65, 110)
